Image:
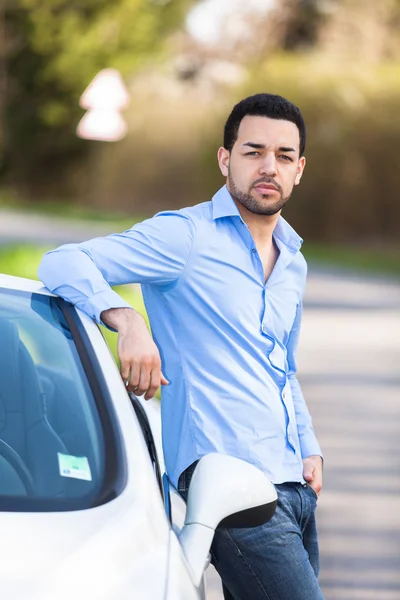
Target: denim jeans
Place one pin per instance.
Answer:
(276, 561)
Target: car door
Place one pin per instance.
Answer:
(149, 417)
(157, 464)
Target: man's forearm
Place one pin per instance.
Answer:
(121, 319)
(140, 363)
(70, 272)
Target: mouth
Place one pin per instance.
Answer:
(265, 188)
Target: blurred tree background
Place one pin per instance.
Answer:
(339, 60)
(50, 51)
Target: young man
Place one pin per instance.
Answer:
(223, 283)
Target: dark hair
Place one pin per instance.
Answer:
(263, 105)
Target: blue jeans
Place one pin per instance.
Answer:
(277, 561)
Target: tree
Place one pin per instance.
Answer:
(53, 48)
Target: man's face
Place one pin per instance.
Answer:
(264, 164)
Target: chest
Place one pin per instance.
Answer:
(229, 283)
(268, 257)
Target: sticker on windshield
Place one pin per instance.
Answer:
(76, 467)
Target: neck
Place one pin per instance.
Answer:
(261, 227)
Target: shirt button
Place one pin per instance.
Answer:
(283, 395)
(254, 250)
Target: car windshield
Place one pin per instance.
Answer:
(52, 440)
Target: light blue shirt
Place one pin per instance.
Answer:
(227, 339)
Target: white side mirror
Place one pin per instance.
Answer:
(224, 491)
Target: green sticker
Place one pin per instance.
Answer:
(76, 467)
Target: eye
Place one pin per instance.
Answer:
(254, 153)
(285, 158)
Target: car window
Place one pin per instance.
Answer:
(149, 440)
(52, 439)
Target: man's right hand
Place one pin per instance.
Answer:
(138, 355)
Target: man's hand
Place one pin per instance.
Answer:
(138, 355)
(312, 472)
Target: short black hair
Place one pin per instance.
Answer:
(263, 105)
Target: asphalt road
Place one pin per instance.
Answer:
(349, 367)
(20, 227)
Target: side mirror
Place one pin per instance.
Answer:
(227, 492)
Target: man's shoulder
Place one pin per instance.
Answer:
(301, 261)
(299, 266)
(197, 212)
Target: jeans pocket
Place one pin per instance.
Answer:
(214, 560)
(307, 485)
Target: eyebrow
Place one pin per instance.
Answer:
(254, 145)
(262, 146)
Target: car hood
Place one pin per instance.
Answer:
(102, 553)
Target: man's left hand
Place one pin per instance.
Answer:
(312, 472)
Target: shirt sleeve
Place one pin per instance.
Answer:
(309, 445)
(155, 251)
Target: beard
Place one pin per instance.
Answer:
(258, 207)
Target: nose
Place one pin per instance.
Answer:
(268, 166)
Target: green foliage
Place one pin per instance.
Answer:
(21, 260)
(55, 49)
(80, 38)
(362, 259)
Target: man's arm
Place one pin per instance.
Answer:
(309, 446)
(155, 251)
(137, 352)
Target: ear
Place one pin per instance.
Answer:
(223, 160)
(300, 169)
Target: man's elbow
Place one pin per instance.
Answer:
(52, 267)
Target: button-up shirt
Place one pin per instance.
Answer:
(227, 338)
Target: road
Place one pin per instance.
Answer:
(349, 367)
(350, 371)
(16, 227)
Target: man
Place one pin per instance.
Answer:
(223, 283)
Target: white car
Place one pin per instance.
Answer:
(86, 509)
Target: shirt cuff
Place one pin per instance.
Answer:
(104, 300)
(310, 447)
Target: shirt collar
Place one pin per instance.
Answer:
(287, 235)
(223, 205)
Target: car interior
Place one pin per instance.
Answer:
(44, 412)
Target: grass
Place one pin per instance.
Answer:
(374, 260)
(21, 260)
